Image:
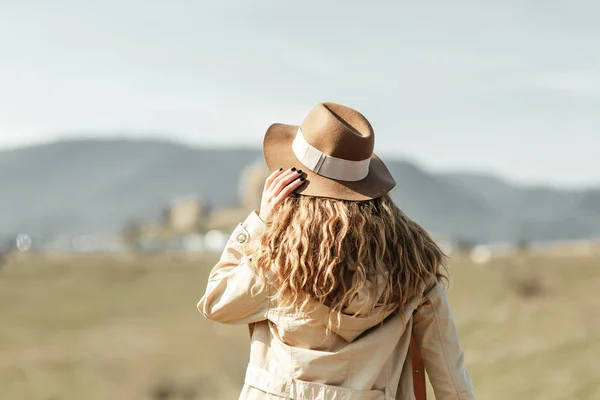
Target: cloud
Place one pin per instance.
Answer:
(11, 136)
(246, 126)
(571, 81)
(310, 62)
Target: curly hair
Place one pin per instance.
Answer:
(326, 250)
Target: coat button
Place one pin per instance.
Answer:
(242, 237)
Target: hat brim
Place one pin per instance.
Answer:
(278, 153)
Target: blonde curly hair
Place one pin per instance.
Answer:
(325, 250)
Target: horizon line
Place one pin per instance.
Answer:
(165, 139)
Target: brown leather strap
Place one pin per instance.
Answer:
(419, 384)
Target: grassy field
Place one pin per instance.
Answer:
(125, 328)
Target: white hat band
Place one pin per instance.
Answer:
(326, 165)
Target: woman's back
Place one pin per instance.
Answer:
(334, 287)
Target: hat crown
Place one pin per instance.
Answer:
(339, 131)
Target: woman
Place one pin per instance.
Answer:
(332, 277)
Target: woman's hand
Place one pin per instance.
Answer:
(279, 185)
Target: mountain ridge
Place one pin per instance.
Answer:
(97, 185)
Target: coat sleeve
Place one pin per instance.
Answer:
(435, 334)
(230, 296)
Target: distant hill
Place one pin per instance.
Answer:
(541, 213)
(94, 186)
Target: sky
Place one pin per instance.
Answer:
(510, 88)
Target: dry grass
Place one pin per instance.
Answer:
(97, 328)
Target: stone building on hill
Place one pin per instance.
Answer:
(186, 216)
(187, 222)
(252, 180)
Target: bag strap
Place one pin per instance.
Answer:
(418, 370)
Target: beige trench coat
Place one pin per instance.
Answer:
(367, 357)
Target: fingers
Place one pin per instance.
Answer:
(283, 180)
(272, 177)
(288, 190)
(278, 186)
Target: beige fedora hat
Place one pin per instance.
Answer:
(334, 148)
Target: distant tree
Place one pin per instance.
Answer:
(464, 245)
(165, 216)
(523, 245)
(208, 208)
(132, 235)
(6, 246)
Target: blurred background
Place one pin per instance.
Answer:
(130, 146)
